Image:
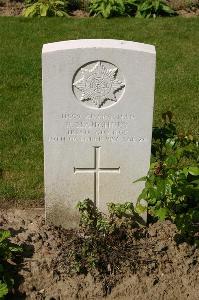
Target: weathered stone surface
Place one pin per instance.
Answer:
(98, 107)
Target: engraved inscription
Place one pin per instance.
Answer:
(96, 171)
(111, 128)
(98, 84)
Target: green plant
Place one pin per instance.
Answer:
(110, 8)
(7, 251)
(99, 234)
(153, 8)
(139, 8)
(172, 184)
(45, 8)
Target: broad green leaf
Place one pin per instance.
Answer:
(193, 171)
(145, 6)
(4, 234)
(140, 209)
(157, 3)
(30, 11)
(167, 9)
(143, 195)
(60, 13)
(44, 9)
(171, 160)
(185, 171)
(107, 11)
(195, 181)
(60, 2)
(3, 290)
(170, 142)
(162, 213)
(140, 179)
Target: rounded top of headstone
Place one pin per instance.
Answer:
(98, 43)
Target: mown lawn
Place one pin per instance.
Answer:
(21, 156)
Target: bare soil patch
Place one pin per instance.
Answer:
(151, 266)
(80, 14)
(11, 8)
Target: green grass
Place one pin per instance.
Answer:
(21, 163)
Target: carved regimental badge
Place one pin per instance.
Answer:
(98, 84)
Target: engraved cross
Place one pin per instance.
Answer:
(96, 171)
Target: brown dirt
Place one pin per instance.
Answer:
(80, 14)
(152, 266)
(11, 8)
(182, 4)
(189, 12)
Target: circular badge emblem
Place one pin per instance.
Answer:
(98, 84)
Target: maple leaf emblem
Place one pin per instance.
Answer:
(99, 84)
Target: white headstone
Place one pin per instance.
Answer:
(98, 109)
